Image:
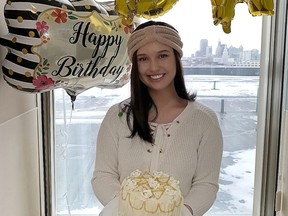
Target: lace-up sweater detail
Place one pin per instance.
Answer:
(160, 135)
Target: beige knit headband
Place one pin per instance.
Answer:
(162, 34)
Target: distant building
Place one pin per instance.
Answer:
(208, 51)
(219, 49)
(251, 55)
(236, 53)
(255, 56)
(203, 46)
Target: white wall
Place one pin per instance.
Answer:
(19, 156)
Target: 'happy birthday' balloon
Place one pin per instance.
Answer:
(73, 45)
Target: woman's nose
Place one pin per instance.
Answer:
(154, 66)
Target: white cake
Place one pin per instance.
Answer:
(150, 194)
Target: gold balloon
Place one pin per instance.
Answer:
(260, 7)
(148, 9)
(124, 8)
(223, 11)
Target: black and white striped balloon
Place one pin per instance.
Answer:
(73, 45)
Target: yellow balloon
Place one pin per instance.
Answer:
(258, 8)
(223, 13)
(125, 9)
(143, 8)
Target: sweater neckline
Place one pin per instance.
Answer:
(177, 118)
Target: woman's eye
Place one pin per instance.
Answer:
(163, 56)
(142, 59)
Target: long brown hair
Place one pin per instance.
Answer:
(141, 102)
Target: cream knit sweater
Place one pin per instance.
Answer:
(190, 150)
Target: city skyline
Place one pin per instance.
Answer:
(213, 50)
(223, 55)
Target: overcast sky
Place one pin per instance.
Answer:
(193, 19)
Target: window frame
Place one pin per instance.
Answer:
(269, 104)
(48, 140)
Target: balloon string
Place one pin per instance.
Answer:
(65, 152)
(65, 133)
(68, 182)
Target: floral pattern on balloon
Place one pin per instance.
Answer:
(62, 44)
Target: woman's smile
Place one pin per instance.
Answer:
(157, 76)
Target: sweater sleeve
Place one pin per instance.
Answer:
(205, 182)
(105, 180)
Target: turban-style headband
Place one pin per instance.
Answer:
(162, 34)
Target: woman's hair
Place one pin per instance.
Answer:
(141, 102)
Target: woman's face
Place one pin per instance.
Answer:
(156, 66)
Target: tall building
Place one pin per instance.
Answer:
(219, 49)
(203, 47)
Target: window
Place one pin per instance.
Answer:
(222, 68)
(76, 132)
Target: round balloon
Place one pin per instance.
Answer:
(73, 45)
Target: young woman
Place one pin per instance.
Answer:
(160, 127)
